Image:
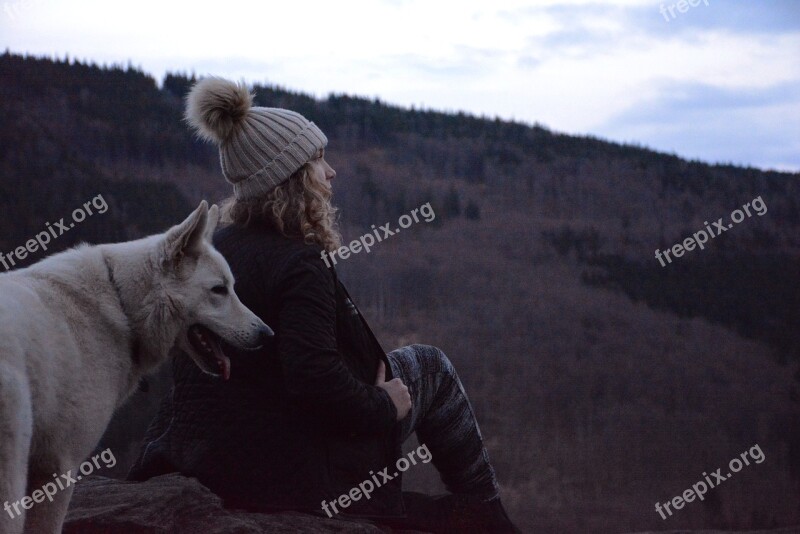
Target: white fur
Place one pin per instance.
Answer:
(215, 106)
(65, 347)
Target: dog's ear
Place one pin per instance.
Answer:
(186, 239)
(213, 221)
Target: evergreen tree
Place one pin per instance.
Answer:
(452, 203)
(472, 211)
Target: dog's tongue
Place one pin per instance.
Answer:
(223, 361)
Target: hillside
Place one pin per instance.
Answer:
(604, 382)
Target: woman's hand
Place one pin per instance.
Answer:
(397, 391)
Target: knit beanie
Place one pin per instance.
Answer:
(259, 148)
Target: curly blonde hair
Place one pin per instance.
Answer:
(299, 207)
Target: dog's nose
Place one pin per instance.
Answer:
(265, 332)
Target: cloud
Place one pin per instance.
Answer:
(590, 29)
(744, 126)
(611, 67)
(736, 16)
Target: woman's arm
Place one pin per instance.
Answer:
(314, 373)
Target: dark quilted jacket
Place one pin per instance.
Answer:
(299, 421)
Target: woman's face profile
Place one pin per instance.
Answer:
(320, 169)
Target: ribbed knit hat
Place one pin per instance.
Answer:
(259, 148)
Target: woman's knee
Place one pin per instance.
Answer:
(414, 361)
(433, 359)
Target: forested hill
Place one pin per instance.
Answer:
(116, 123)
(71, 130)
(603, 381)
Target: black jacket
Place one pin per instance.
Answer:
(298, 422)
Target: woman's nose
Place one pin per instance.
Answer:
(331, 173)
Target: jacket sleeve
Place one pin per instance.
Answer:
(314, 373)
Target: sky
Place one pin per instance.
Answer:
(718, 81)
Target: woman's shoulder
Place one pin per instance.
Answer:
(257, 238)
(266, 248)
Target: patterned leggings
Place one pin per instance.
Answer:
(443, 419)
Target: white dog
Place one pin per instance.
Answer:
(77, 333)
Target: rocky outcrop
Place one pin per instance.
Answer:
(173, 504)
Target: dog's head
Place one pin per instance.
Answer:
(199, 285)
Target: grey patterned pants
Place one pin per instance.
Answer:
(443, 419)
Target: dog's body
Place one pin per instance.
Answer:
(77, 333)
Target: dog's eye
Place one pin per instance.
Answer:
(219, 290)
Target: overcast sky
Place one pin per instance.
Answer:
(719, 82)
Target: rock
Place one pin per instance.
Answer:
(176, 504)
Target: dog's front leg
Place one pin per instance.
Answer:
(16, 428)
(13, 477)
(47, 516)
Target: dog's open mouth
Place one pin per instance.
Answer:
(206, 343)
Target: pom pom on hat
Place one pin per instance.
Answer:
(215, 106)
(259, 148)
